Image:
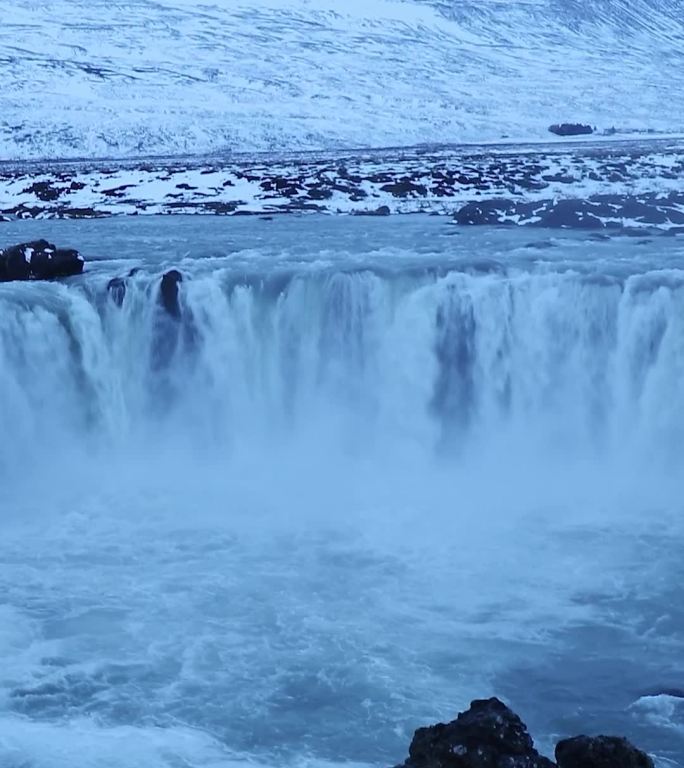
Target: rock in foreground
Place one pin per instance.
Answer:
(38, 260)
(490, 735)
(600, 752)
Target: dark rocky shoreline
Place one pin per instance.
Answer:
(490, 735)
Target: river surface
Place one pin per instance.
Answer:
(373, 469)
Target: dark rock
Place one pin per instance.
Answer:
(383, 210)
(23, 211)
(117, 191)
(405, 188)
(485, 212)
(488, 735)
(169, 291)
(116, 288)
(600, 752)
(44, 191)
(569, 214)
(39, 260)
(299, 205)
(571, 129)
(319, 193)
(221, 208)
(15, 263)
(62, 262)
(82, 213)
(592, 213)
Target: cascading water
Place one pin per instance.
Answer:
(357, 475)
(426, 358)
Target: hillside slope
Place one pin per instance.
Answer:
(136, 77)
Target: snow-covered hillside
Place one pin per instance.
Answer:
(135, 77)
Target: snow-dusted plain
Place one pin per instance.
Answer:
(642, 179)
(86, 78)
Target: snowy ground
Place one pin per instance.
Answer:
(86, 78)
(440, 180)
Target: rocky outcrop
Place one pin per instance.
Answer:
(600, 752)
(168, 297)
(169, 288)
(383, 210)
(571, 129)
(39, 260)
(490, 735)
(594, 212)
(116, 288)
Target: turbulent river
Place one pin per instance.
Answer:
(368, 470)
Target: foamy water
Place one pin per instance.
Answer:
(376, 469)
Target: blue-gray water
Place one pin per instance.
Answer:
(378, 468)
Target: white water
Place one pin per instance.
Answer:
(371, 473)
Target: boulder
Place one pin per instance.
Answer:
(168, 292)
(663, 210)
(39, 260)
(494, 211)
(571, 129)
(488, 735)
(383, 210)
(600, 752)
(116, 288)
(61, 262)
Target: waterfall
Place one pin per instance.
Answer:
(430, 358)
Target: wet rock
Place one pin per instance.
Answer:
(571, 129)
(592, 213)
(15, 262)
(23, 211)
(570, 214)
(62, 262)
(600, 752)
(220, 208)
(39, 260)
(81, 213)
(169, 290)
(488, 735)
(383, 210)
(116, 288)
(485, 212)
